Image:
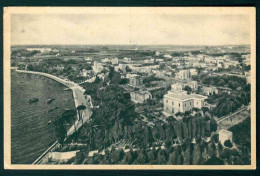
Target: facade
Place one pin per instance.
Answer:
(140, 96)
(114, 61)
(127, 60)
(210, 90)
(135, 80)
(192, 84)
(183, 74)
(248, 77)
(97, 67)
(177, 100)
(193, 72)
(225, 135)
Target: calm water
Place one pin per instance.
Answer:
(30, 133)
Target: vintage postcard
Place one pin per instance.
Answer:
(129, 88)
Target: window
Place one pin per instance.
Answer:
(172, 110)
(179, 105)
(172, 102)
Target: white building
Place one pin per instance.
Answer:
(183, 74)
(225, 135)
(97, 67)
(140, 96)
(248, 77)
(192, 84)
(106, 60)
(177, 100)
(135, 80)
(210, 90)
(114, 61)
(127, 60)
(159, 60)
(193, 72)
(167, 56)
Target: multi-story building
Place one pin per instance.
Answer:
(114, 61)
(127, 60)
(193, 72)
(183, 74)
(210, 90)
(177, 100)
(140, 96)
(192, 84)
(225, 135)
(135, 80)
(97, 67)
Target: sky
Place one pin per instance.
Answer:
(120, 29)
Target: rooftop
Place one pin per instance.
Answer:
(225, 132)
(184, 97)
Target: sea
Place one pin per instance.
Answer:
(32, 128)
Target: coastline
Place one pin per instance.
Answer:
(79, 99)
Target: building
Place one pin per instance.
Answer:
(159, 60)
(106, 60)
(210, 90)
(97, 67)
(183, 74)
(114, 61)
(127, 60)
(157, 53)
(220, 64)
(121, 67)
(140, 96)
(84, 72)
(248, 77)
(192, 84)
(177, 100)
(225, 135)
(193, 72)
(135, 80)
(149, 61)
(167, 56)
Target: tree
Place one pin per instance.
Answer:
(188, 89)
(213, 125)
(228, 143)
(68, 114)
(61, 132)
(81, 108)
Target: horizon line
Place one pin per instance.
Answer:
(132, 44)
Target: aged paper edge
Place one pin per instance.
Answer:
(124, 10)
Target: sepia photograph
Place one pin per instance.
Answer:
(129, 88)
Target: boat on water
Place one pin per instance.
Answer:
(52, 109)
(49, 101)
(33, 100)
(49, 122)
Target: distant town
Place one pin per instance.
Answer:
(178, 105)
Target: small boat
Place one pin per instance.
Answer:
(49, 101)
(33, 100)
(52, 109)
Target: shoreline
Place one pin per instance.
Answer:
(79, 99)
